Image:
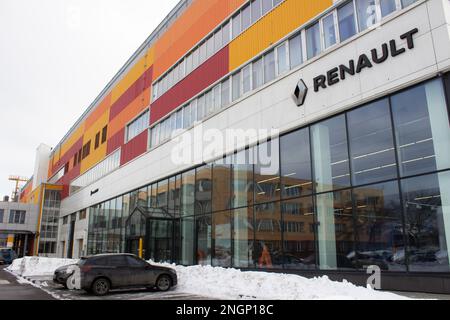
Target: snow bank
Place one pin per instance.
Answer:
(234, 284)
(37, 266)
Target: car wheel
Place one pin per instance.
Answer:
(100, 287)
(163, 283)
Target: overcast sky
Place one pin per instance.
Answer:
(55, 58)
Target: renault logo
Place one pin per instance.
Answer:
(301, 90)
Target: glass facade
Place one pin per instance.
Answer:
(370, 186)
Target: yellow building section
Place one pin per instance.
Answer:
(134, 74)
(34, 196)
(278, 23)
(96, 154)
(74, 137)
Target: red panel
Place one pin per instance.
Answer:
(68, 156)
(209, 72)
(116, 141)
(134, 148)
(132, 92)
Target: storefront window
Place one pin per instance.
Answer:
(268, 249)
(371, 143)
(203, 190)
(427, 205)
(221, 238)
(267, 175)
(296, 164)
(298, 233)
(336, 234)
(330, 154)
(422, 129)
(187, 241)
(221, 185)
(242, 179)
(243, 238)
(347, 22)
(379, 227)
(188, 193)
(204, 240)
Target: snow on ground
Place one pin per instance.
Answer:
(37, 266)
(235, 284)
(232, 284)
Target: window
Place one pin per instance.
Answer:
(225, 89)
(371, 143)
(204, 230)
(296, 179)
(97, 141)
(195, 61)
(268, 247)
(203, 190)
(221, 183)
(330, 154)
(367, 15)
(210, 47)
(187, 120)
(242, 179)
(189, 64)
(104, 134)
(246, 79)
(267, 175)
(138, 125)
(82, 215)
(179, 119)
(187, 241)
(201, 112)
(134, 262)
(378, 225)
(2, 214)
(427, 217)
(387, 7)
(299, 244)
(216, 97)
(266, 6)
(257, 73)
(269, 66)
(208, 102)
(256, 10)
(329, 31)
(193, 106)
(313, 47)
(221, 237)
(246, 17)
(65, 220)
(295, 51)
(243, 236)
(236, 25)
(188, 193)
(422, 129)
(236, 86)
(406, 3)
(226, 34)
(347, 24)
(335, 230)
(86, 150)
(66, 168)
(218, 40)
(283, 59)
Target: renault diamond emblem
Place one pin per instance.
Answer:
(300, 93)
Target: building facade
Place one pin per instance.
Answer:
(297, 136)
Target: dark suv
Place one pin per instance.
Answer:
(103, 272)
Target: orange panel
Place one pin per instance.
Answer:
(130, 112)
(199, 19)
(98, 112)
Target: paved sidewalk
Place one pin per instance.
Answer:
(10, 289)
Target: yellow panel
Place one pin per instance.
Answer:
(290, 15)
(134, 74)
(76, 135)
(98, 154)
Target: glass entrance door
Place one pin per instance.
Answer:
(132, 246)
(159, 240)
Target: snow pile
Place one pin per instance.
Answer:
(234, 284)
(38, 266)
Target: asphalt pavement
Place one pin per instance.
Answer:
(10, 289)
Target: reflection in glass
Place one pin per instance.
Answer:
(188, 193)
(387, 7)
(267, 175)
(313, 46)
(203, 190)
(427, 204)
(335, 230)
(330, 153)
(221, 239)
(299, 233)
(346, 19)
(242, 179)
(296, 164)
(379, 227)
(268, 250)
(329, 31)
(295, 51)
(269, 66)
(422, 129)
(221, 185)
(371, 143)
(367, 16)
(243, 236)
(187, 241)
(204, 240)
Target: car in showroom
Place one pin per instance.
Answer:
(104, 272)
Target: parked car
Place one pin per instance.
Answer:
(104, 272)
(7, 255)
(62, 274)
